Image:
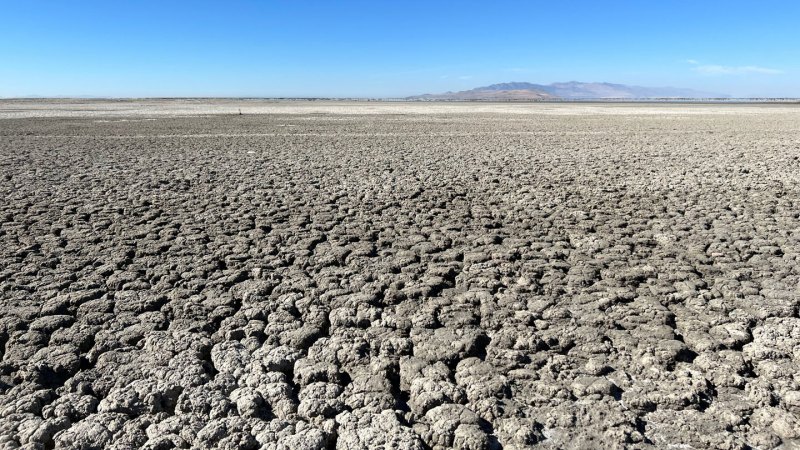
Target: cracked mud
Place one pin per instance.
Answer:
(541, 276)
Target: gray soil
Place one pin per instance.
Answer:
(362, 276)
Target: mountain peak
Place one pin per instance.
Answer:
(569, 90)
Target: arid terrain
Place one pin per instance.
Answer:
(315, 275)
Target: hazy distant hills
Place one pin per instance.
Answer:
(572, 90)
(489, 94)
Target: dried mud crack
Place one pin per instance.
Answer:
(401, 278)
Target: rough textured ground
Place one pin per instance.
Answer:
(537, 276)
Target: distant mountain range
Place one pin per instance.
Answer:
(572, 90)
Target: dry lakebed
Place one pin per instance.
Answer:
(300, 275)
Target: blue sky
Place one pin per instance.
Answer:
(392, 48)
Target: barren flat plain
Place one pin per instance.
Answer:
(409, 276)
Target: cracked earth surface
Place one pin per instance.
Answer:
(402, 280)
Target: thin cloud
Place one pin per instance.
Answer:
(716, 69)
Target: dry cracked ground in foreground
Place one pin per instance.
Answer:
(596, 277)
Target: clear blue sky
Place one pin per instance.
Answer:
(392, 48)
